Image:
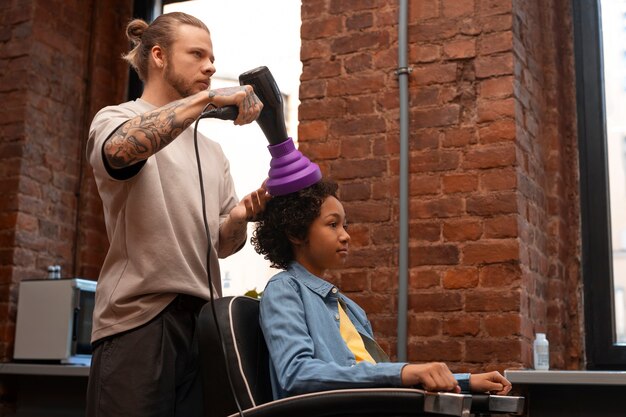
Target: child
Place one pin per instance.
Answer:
(319, 339)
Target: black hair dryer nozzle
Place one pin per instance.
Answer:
(272, 117)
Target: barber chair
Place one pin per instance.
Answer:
(236, 354)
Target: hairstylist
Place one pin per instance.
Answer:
(155, 276)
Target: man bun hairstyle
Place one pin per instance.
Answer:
(143, 37)
(289, 216)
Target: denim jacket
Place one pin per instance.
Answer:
(300, 323)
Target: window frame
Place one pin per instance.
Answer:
(597, 264)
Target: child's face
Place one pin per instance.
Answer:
(327, 241)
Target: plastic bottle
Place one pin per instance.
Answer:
(541, 352)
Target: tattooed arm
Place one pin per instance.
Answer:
(233, 231)
(148, 133)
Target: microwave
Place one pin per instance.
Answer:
(54, 320)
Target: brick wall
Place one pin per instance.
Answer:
(59, 63)
(492, 170)
(54, 77)
(548, 178)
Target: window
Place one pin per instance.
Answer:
(599, 35)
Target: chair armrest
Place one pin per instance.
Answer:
(365, 402)
(494, 404)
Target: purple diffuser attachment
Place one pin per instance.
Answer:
(290, 170)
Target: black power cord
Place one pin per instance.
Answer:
(208, 253)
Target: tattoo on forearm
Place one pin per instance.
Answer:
(145, 135)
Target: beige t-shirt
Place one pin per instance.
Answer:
(154, 222)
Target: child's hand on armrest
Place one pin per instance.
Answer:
(434, 376)
(490, 382)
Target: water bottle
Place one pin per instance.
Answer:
(541, 352)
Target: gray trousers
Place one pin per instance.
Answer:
(150, 371)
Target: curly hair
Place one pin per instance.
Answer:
(289, 216)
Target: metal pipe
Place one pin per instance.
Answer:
(403, 257)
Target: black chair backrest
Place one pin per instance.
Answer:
(244, 353)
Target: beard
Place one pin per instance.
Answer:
(182, 86)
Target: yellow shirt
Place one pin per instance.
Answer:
(352, 337)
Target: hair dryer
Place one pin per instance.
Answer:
(290, 171)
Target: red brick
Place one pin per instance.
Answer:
(423, 10)
(429, 231)
(493, 65)
(421, 139)
(424, 326)
(353, 281)
(463, 325)
(498, 179)
(433, 255)
(500, 227)
(494, 7)
(490, 251)
(483, 300)
(313, 130)
(496, 42)
(372, 303)
(369, 258)
(491, 204)
(384, 281)
(435, 350)
(364, 168)
(342, 7)
(320, 150)
(382, 60)
(436, 208)
(359, 21)
(384, 327)
(442, 116)
(498, 87)
(321, 109)
(434, 74)
(425, 96)
(312, 89)
(460, 278)
(503, 130)
(433, 31)
(493, 156)
(358, 63)
(497, 23)
(356, 147)
(314, 49)
(323, 27)
(355, 191)
(436, 160)
(424, 53)
(459, 183)
(498, 350)
(356, 84)
(421, 279)
(456, 8)
(489, 110)
(358, 41)
(503, 325)
(499, 275)
(458, 49)
(459, 137)
(361, 126)
(371, 211)
(424, 185)
(461, 230)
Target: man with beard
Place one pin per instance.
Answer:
(155, 276)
